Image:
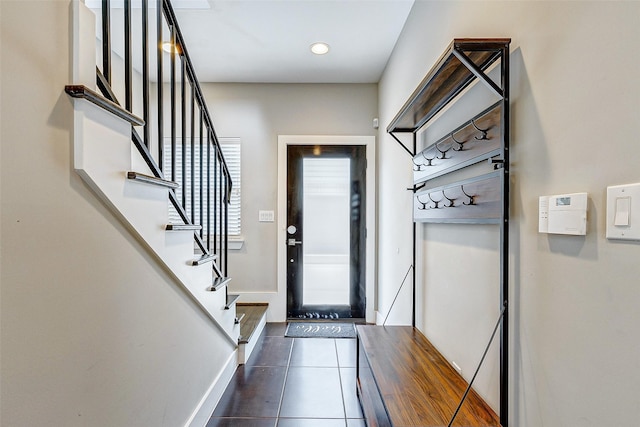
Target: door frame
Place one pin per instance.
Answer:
(369, 143)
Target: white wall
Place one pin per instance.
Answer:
(258, 113)
(575, 108)
(93, 331)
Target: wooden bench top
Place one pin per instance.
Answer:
(416, 383)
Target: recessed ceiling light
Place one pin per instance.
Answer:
(320, 48)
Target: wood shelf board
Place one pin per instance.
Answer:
(417, 384)
(445, 81)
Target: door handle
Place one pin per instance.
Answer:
(293, 242)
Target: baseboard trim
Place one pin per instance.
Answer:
(379, 318)
(207, 404)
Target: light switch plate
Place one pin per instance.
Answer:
(623, 209)
(265, 216)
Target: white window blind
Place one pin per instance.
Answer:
(231, 148)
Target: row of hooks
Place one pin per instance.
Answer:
(442, 154)
(446, 201)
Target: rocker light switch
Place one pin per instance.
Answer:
(623, 212)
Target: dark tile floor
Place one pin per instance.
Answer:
(287, 382)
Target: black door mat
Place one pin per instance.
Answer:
(320, 330)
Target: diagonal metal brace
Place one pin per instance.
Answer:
(411, 153)
(486, 350)
(467, 62)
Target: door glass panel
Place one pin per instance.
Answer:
(326, 224)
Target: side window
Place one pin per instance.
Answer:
(231, 148)
(232, 154)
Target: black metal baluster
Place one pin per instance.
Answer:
(106, 40)
(173, 105)
(220, 206)
(193, 160)
(128, 68)
(145, 71)
(183, 119)
(215, 197)
(201, 175)
(209, 190)
(160, 84)
(225, 236)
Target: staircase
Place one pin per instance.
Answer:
(151, 161)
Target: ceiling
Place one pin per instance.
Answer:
(268, 41)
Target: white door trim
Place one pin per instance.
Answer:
(279, 308)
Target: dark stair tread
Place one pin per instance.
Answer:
(253, 314)
(239, 318)
(219, 282)
(148, 179)
(83, 92)
(204, 259)
(183, 227)
(231, 299)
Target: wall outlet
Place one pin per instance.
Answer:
(266, 216)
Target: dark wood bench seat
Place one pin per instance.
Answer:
(404, 381)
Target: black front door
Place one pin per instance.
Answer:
(326, 231)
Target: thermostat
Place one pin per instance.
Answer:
(563, 214)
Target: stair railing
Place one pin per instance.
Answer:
(177, 126)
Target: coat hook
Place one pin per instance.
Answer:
(471, 198)
(450, 205)
(424, 204)
(460, 143)
(484, 131)
(418, 165)
(429, 160)
(435, 204)
(444, 153)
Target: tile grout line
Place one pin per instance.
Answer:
(284, 384)
(344, 405)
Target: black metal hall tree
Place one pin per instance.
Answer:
(484, 198)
